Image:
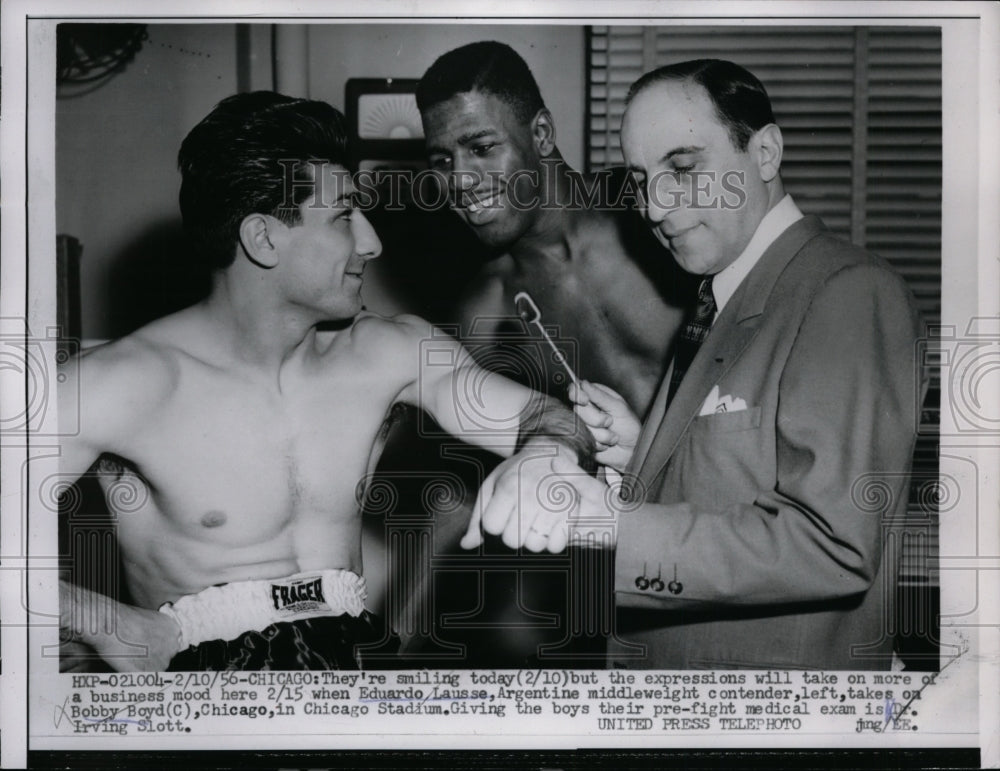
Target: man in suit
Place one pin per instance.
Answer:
(757, 524)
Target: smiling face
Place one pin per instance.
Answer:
(323, 255)
(490, 162)
(703, 198)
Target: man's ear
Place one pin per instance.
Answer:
(767, 145)
(543, 130)
(256, 238)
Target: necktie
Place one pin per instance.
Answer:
(692, 334)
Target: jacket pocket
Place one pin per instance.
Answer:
(725, 422)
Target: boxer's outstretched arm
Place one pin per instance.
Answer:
(476, 405)
(518, 500)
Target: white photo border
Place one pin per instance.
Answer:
(970, 277)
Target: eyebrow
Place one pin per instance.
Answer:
(669, 155)
(345, 199)
(464, 139)
(689, 150)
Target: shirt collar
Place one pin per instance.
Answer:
(784, 214)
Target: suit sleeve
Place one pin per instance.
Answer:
(845, 427)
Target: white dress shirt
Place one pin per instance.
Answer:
(775, 222)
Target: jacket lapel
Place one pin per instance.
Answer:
(730, 335)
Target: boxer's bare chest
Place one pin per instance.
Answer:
(607, 317)
(234, 461)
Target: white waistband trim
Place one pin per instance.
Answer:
(225, 612)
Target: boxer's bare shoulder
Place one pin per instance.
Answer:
(370, 323)
(405, 353)
(389, 341)
(108, 391)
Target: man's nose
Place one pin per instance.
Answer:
(652, 209)
(366, 240)
(464, 179)
(466, 171)
(663, 194)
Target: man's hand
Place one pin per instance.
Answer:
(541, 499)
(129, 639)
(613, 424)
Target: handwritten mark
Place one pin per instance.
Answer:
(59, 713)
(890, 705)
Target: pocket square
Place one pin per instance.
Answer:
(715, 403)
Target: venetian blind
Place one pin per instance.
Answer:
(860, 110)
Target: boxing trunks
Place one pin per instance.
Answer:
(310, 620)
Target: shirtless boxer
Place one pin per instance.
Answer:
(246, 422)
(586, 259)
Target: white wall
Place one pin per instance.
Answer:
(116, 151)
(555, 55)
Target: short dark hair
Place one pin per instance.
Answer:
(741, 101)
(488, 67)
(231, 165)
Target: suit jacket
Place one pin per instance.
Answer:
(774, 529)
